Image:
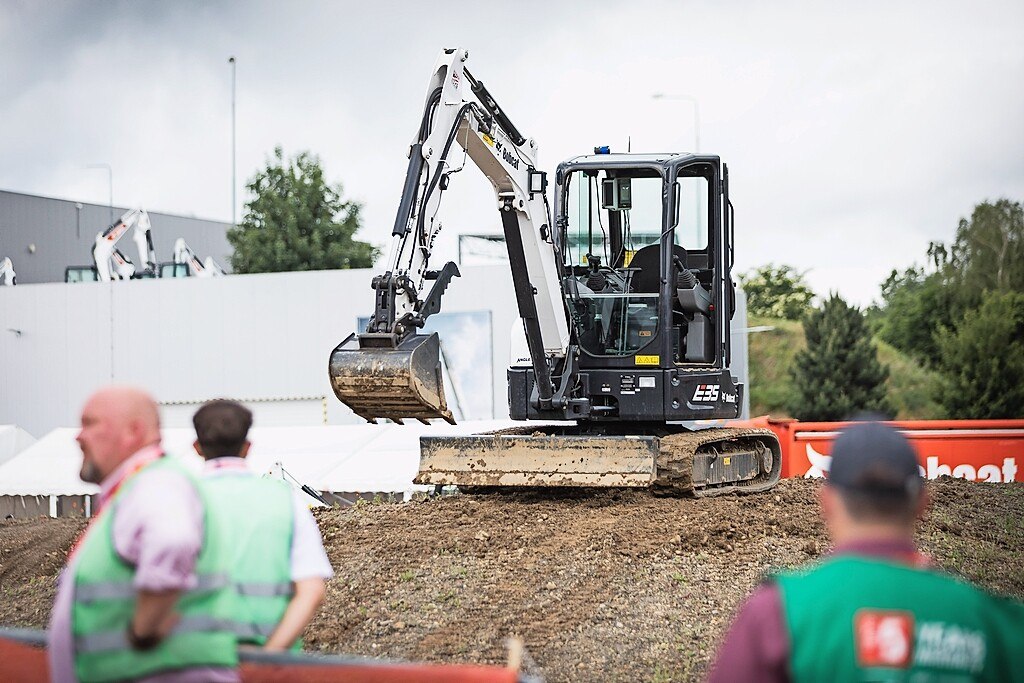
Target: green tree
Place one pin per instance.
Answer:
(988, 252)
(982, 360)
(297, 221)
(838, 374)
(916, 304)
(776, 292)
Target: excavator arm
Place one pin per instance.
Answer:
(391, 371)
(111, 263)
(183, 255)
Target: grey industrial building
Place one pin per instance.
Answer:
(43, 235)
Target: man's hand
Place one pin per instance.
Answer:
(154, 617)
(309, 594)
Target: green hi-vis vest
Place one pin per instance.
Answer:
(258, 517)
(858, 619)
(104, 602)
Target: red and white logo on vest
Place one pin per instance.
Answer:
(884, 638)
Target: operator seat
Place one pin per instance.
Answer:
(647, 280)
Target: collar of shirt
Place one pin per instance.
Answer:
(134, 463)
(225, 465)
(899, 550)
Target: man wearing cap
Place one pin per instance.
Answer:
(145, 595)
(872, 609)
(278, 564)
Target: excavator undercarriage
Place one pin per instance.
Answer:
(670, 461)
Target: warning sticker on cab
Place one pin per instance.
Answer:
(648, 360)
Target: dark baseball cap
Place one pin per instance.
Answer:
(874, 457)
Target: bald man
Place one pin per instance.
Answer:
(144, 595)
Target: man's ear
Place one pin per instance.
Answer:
(244, 450)
(136, 430)
(199, 449)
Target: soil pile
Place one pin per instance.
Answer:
(32, 553)
(599, 586)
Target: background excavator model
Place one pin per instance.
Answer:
(625, 290)
(110, 263)
(187, 264)
(7, 274)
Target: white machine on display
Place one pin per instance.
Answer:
(111, 263)
(187, 264)
(7, 274)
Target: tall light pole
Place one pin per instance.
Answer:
(696, 113)
(110, 181)
(231, 61)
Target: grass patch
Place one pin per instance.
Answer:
(911, 387)
(772, 354)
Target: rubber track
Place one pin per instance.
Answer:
(677, 452)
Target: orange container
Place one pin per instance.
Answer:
(977, 450)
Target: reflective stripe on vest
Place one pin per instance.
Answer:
(124, 590)
(265, 590)
(118, 640)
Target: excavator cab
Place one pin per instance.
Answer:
(631, 226)
(645, 243)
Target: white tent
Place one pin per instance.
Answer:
(363, 458)
(13, 440)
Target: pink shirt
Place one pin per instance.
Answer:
(158, 528)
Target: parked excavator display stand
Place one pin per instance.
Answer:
(624, 287)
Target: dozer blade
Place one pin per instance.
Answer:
(377, 379)
(521, 460)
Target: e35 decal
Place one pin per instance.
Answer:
(705, 393)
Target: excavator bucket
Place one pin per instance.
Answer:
(378, 379)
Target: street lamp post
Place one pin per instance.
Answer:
(696, 113)
(110, 182)
(231, 61)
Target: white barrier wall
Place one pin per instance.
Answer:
(263, 338)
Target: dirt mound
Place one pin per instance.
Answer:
(32, 553)
(606, 586)
(617, 585)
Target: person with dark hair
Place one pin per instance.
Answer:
(279, 568)
(873, 609)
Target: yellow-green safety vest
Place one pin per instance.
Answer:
(258, 516)
(104, 602)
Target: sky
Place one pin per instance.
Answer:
(855, 133)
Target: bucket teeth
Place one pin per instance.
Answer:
(387, 381)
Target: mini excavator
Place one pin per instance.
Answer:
(626, 296)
